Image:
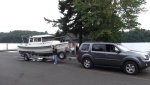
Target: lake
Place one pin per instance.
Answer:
(9, 46)
(140, 46)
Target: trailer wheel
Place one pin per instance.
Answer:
(26, 57)
(61, 55)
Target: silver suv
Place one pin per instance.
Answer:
(112, 55)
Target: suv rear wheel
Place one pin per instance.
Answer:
(87, 63)
(131, 68)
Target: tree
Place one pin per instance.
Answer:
(58, 33)
(69, 22)
(64, 23)
(136, 35)
(106, 18)
(98, 20)
(17, 36)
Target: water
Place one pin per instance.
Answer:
(140, 46)
(9, 46)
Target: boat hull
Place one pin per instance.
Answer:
(41, 49)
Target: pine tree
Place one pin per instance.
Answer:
(98, 20)
(69, 22)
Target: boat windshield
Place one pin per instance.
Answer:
(44, 39)
(37, 39)
(123, 48)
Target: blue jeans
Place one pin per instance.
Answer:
(55, 58)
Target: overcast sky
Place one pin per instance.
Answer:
(28, 15)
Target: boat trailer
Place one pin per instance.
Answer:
(36, 56)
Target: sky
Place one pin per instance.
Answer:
(29, 15)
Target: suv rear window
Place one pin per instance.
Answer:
(85, 47)
(98, 47)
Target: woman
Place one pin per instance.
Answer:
(55, 54)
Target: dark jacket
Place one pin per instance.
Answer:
(54, 51)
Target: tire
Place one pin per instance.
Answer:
(25, 57)
(131, 68)
(87, 63)
(61, 55)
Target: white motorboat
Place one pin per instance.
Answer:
(42, 45)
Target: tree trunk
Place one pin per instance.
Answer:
(80, 33)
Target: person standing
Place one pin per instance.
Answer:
(55, 54)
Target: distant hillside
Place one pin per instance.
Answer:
(134, 35)
(17, 36)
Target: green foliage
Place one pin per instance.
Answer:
(98, 20)
(106, 18)
(17, 36)
(58, 33)
(136, 35)
(67, 22)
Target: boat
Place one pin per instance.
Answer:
(41, 45)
